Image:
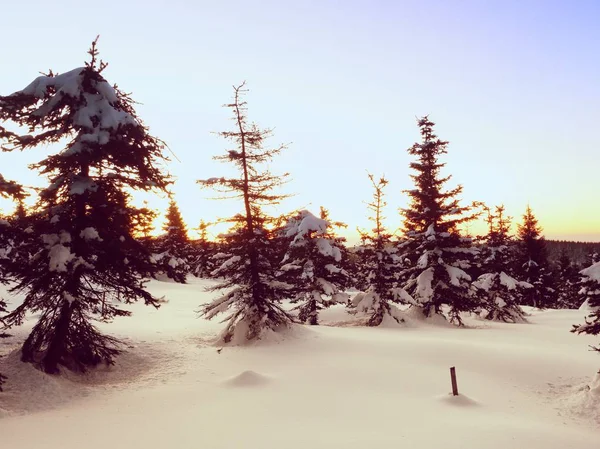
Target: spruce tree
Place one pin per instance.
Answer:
(532, 263)
(202, 252)
(590, 294)
(280, 241)
(312, 266)
(85, 257)
(568, 285)
(379, 264)
(8, 242)
(591, 258)
(144, 223)
(11, 227)
(497, 287)
(2, 335)
(436, 252)
(171, 249)
(252, 293)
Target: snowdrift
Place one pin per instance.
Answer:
(522, 385)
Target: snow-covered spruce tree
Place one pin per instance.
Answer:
(172, 248)
(201, 253)
(379, 263)
(590, 295)
(11, 227)
(568, 283)
(8, 237)
(85, 259)
(591, 258)
(436, 252)
(253, 294)
(11, 231)
(337, 240)
(357, 281)
(499, 290)
(532, 263)
(2, 335)
(312, 266)
(280, 241)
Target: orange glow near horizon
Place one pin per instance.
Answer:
(565, 221)
(516, 98)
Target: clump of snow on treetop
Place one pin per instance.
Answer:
(67, 83)
(98, 114)
(305, 223)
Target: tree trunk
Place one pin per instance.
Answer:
(313, 315)
(57, 346)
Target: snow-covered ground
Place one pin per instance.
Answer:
(521, 385)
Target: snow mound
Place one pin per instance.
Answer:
(396, 319)
(268, 337)
(415, 316)
(595, 386)
(246, 379)
(582, 400)
(458, 401)
(28, 389)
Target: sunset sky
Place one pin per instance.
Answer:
(513, 85)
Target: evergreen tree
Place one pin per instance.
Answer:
(568, 282)
(532, 263)
(592, 257)
(20, 211)
(11, 227)
(172, 248)
(499, 290)
(2, 335)
(280, 241)
(312, 266)
(436, 252)
(143, 226)
(379, 263)
(175, 228)
(590, 294)
(356, 279)
(253, 293)
(86, 258)
(202, 252)
(11, 189)
(7, 244)
(144, 223)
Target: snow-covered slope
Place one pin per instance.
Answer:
(522, 386)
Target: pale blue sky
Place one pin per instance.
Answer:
(513, 85)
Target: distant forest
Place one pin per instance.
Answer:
(578, 252)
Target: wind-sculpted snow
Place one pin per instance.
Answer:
(527, 386)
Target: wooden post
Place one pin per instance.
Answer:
(454, 384)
